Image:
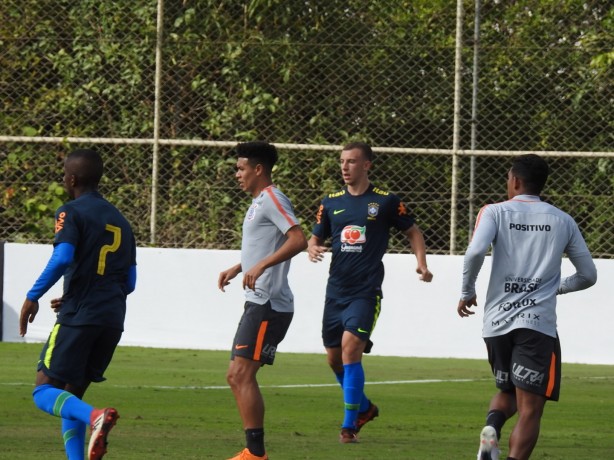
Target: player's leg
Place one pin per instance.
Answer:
(100, 355)
(354, 378)
(50, 397)
(260, 331)
(526, 432)
(537, 369)
(241, 377)
(503, 404)
(359, 318)
(74, 431)
(62, 360)
(73, 434)
(65, 358)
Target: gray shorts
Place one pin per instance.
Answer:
(259, 332)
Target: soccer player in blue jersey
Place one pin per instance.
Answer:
(357, 220)
(528, 239)
(271, 237)
(94, 249)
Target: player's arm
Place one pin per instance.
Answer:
(295, 243)
(131, 281)
(225, 276)
(585, 276)
(61, 258)
(483, 236)
(580, 257)
(418, 246)
(321, 229)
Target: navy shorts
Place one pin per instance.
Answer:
(78, 354)
(260, 331)
(526, 359)
(357, 316)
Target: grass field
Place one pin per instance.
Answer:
(174, 404)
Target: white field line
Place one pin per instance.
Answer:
(305, 385)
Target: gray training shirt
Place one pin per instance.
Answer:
(529, 238)
(264, 231)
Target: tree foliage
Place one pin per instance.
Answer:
(296, 71)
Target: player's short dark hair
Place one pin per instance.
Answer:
(365, 148)
(532, 170)
(258, 152)
(90, 169)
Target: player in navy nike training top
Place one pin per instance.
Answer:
(95, 251)
(357, 220)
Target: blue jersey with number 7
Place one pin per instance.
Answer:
(95, 284)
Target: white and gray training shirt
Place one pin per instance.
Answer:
(266, 223)
(529, 238)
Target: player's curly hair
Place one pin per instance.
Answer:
(258, 152)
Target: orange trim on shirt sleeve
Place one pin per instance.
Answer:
(269, 190)
(260, 340)
(551, 376)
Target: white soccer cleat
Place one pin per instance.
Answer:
(489, 445)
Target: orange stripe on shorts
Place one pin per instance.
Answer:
(260, 340)
(551, 376)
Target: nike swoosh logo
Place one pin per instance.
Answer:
(238, 347)
(362, 331)
(338, 211)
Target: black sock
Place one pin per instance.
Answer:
(255, 441)
(496, 419)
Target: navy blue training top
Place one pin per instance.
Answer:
(359, 228)
(96, 282)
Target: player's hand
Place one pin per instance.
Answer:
(56, 304)
(425, 274)
(316, 252)
(28, 313)
(225, 276)
(250, 277)
(464, 305)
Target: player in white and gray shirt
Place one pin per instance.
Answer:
(266, 223)
(522, 289)
(528, 238)
(271, 237)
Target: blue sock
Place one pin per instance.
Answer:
(73, 432)
(364, 401)
(61, 403)
(353, 386)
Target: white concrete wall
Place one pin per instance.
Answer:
(177, 305)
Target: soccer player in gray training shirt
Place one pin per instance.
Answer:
(528, 238)
(271, 237)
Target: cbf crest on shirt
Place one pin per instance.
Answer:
(359, 229)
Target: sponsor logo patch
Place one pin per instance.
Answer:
(59, 223)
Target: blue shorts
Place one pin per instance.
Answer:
(357, 316)
(78, 354)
